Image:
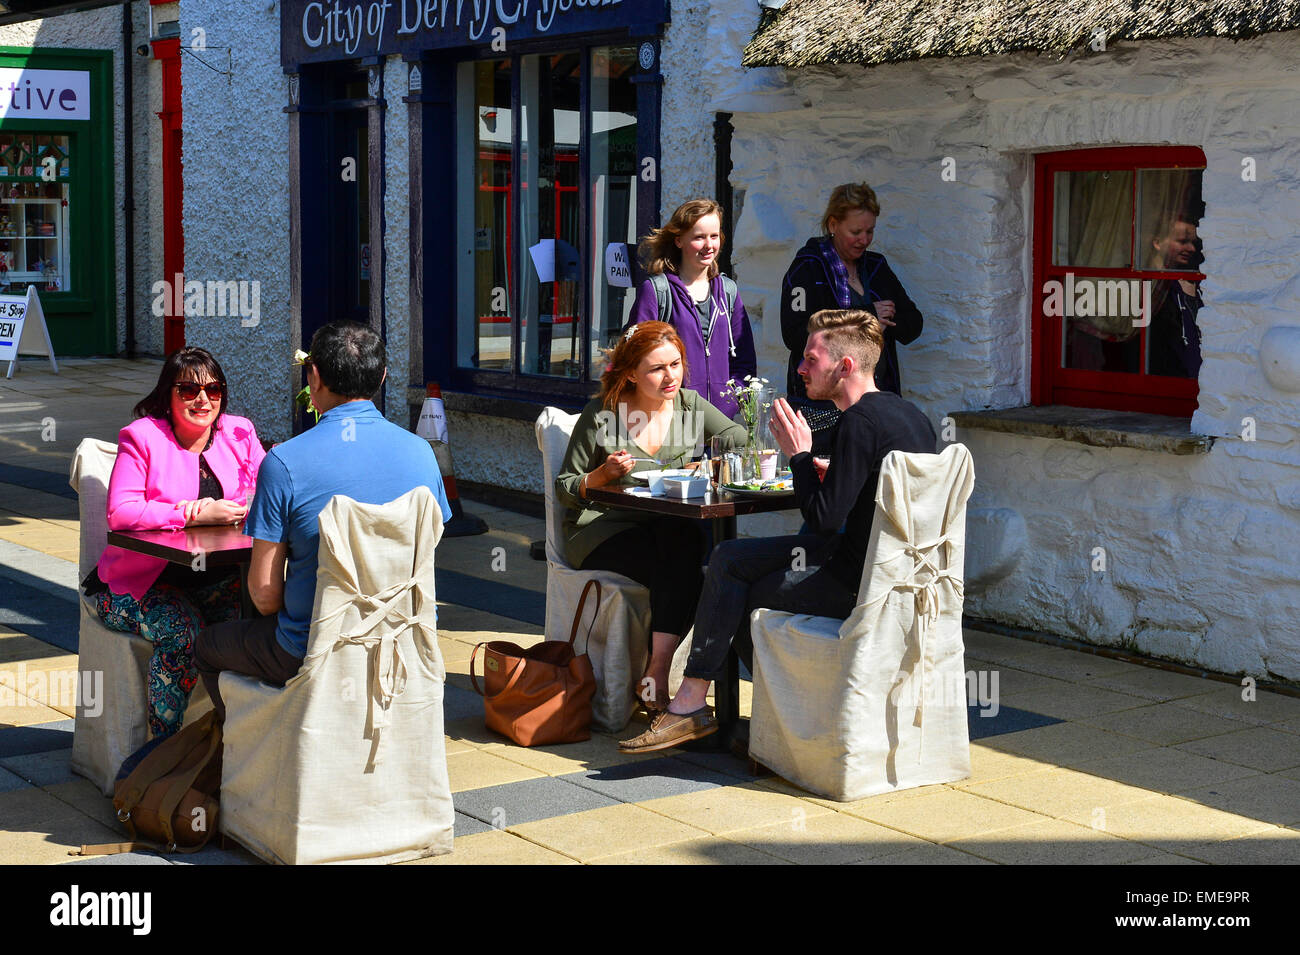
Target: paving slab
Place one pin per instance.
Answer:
(611, 830)
(496, 848)
(829, 839)
(929, 854)
(1259, 747)
(1067, 744)
(39, 828)
(1268, 798)
(477, 768)
(1165, 770)
(649, 779)
(1061, 793)
(1164, 723)
(710, 850)
(532, 799)
(1052, 842)
(946, 815)
(727, 809)
(1168, 822)
(1275, 847)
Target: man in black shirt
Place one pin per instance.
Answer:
(815, 573)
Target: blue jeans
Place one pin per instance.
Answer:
(780, 573)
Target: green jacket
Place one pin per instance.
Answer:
(597, 435)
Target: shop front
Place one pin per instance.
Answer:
(528, 147)
(56, 191)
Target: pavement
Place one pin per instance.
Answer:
(1087, 760)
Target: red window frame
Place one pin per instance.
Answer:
(1114, 391)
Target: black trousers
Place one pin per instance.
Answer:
(664, 555)
(242, 646)
(780, 573)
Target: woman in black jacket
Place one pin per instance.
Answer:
(835, 270)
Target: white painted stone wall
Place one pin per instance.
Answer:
(102, 30)
(1202, 551)
(237, 200)
(397, 251)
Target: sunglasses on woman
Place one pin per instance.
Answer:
(189, 390)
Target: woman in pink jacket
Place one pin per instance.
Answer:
(182, 461)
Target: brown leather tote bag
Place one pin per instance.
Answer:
(539, 694)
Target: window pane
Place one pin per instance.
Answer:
(1093, 219)
(613, 188)
(34, 190)
(550, 128)
(1098, 316)
(1169, 208)
(485, 204)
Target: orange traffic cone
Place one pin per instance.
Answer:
(432, 426)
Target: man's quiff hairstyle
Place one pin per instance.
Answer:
(852, 332)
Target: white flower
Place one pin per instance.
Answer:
(300, 356)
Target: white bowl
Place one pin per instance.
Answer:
(656, 478)
(684, 487)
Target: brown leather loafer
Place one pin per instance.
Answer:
(670, 729)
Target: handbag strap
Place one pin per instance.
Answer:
(473, 677)
(573, 631)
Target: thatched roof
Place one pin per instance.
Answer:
(812, 32)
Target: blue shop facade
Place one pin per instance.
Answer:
(531, 164)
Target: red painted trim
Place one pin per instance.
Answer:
(168, 53)
(1051, 384)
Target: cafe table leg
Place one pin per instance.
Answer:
(726, 692)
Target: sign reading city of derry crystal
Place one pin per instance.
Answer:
(23, 330)
(44, 94)
(315, 31)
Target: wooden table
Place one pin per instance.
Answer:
(221, 545)
(721, 507)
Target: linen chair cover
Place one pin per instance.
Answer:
(620, 639)
(100, 743)
(877, 702)
(347, 762)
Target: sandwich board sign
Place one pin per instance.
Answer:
(23, 330)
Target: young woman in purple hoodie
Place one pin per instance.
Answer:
(686, 290)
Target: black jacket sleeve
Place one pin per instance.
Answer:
(826, 504)
(804, 274)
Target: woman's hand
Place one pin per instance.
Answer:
(885, 311)
(219, 512)
(616, 466)
(190, 510)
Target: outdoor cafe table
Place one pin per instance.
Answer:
(721, 507)
(221, 545)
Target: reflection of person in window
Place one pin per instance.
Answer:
(1174, 342)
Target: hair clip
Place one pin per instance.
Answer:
(630, 332)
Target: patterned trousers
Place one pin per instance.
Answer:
(170, 619)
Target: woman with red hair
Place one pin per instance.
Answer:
(642, 420)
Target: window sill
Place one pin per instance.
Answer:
(1102, 429)
(496, 406)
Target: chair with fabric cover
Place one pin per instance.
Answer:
(347, 762)
(877, 702)
(117, 723)
(620, 639)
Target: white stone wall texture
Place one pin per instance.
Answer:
(237, 200)
(1202, 551)
(102, 30)
(397, 251)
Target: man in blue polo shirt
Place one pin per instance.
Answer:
(352, 450)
